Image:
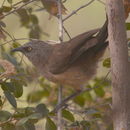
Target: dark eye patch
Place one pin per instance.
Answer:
(28, 49)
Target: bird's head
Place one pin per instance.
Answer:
(36, 51)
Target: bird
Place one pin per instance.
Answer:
(72, 63)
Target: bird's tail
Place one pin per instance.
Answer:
(103, 33)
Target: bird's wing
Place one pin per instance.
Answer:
(65, 54)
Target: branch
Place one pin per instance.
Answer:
(75, 11)
(59, 113)
(3, 16)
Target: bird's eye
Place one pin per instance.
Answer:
(28, 49)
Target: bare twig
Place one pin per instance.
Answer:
(63, 104)
(75, 11)
(11, 12)
(59, 112)
(67, 32)
(18, 39)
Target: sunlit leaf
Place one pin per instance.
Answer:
(6, 8)
(79, 100)
(68, 115)
(35, 96)
(107, 63)
(4, 115)
(50, 125)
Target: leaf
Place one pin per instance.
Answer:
(79, 100)
(35, 96)
(41, 108)
(99, 91)
(34, 19)
(68, 115)
(24, 17)
(10, 98)
(4, 115)
(9, 1)
(35, 116)
(2, 24)
(85, 124)
(22, 121)
(35, 32)
(8, 126)
(18, 89)
(50, 125)
(6, 9)
(107, 63)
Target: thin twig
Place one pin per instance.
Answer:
(11, 12)
(75, 11)
(63, 104)
(18, 39)
(67, 32)
(59, 112)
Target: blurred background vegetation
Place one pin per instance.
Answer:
(26, 100)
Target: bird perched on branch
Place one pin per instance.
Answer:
(71, 63)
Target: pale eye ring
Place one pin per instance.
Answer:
(28, 49)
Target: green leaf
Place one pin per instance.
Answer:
(34, 19)
(35, 32)
(107, 63)
(85, 124)
(68, 115)
(6, 8)
(41, 108)
(128, 26)
(29, 110)
(35, 96)
(87, 96)
(50, 125)
(79, 100)
(9, 1)
(24, 17)
(4, 115)
(18, 89)
(99, 91)
(16, 44)
(10, 98)
(8, 126)
(35, 116)
(22, 121)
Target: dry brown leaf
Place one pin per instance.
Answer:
(8, 67)
(127, 8)
(52, 7)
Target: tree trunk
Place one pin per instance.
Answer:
(119, 65)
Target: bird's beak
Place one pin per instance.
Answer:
(17, 49)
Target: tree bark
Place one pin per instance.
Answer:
(119, 65)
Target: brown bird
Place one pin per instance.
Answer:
(71, 63)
